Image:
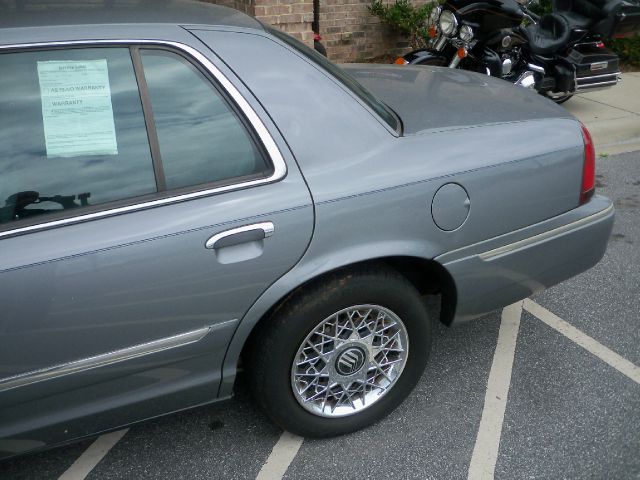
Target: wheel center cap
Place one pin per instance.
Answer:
(350, 361)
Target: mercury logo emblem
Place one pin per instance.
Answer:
(350, 361)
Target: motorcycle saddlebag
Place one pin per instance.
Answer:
(627, 21)
(596, 67)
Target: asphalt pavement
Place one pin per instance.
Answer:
(568, 413)
(612, 116)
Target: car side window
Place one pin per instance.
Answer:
(82, 127)
(201, 138)
(72, 132)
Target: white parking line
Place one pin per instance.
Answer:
(485, 451)
(283, 453)
(92, 456)
(621, 364)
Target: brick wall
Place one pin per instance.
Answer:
(349, 32)
(292, 16)
(245, 6)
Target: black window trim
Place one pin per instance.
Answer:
(149, 120)
(276, 36)
(230, 93)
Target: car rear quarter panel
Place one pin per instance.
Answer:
(365, 179)
(373, 189)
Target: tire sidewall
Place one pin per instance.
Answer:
(302, 316)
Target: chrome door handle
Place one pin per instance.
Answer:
(236, 236)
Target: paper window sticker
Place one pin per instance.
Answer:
(77, 112)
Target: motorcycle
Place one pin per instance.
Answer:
(558, 54)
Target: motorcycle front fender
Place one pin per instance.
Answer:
(426, 57)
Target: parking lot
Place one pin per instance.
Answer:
(571, 401)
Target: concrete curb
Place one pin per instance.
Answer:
(612, 116)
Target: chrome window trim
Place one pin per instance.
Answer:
(279, 165)
(129, 353)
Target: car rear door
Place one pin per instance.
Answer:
(147, 205)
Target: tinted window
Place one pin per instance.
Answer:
(201, 139)
(347, 80)
(72, 131)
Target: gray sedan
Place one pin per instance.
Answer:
(186, 189)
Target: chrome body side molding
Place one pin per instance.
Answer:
(57, 371)
(488, 255)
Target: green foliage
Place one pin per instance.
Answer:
(406, 19)
(628, 49)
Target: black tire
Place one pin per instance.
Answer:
(277, 341)
(563, 99)
(559, 99)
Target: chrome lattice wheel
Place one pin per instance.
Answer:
(349, 361)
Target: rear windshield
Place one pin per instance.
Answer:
(347, 80)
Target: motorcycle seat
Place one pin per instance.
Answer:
(551, 33)
(596, 16)
(576, 21)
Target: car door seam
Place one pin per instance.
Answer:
(159, 237)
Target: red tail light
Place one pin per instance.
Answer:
(589, 167)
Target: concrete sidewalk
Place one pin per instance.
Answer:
(612, 116)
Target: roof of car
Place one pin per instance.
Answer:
(35, 13)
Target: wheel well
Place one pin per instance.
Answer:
(427, 276)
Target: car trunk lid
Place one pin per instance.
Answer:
(427, 97)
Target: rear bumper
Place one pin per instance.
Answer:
(497, 272)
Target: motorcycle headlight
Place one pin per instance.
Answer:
(466, 33)
(448, 23)
(435, 14)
